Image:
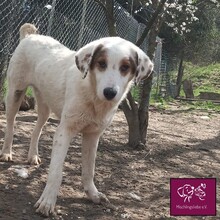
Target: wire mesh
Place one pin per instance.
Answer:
(73, 23)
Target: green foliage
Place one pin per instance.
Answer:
(207, 105)
(159, 102)
(201, 44)
(166, 103)
(5, 86)
(204, 78)
(135, 93)
(201, 105)
(29, 92)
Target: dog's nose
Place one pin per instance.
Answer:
(110, 93)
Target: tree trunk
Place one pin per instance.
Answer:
(145, 89)
(108, 7)
(137, 115)
(188, 88)
(111, 18)
(138, 120)
(179, 76)
(152, 21)
(130, 109)
(143, 112)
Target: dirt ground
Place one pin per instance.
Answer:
(181, 143)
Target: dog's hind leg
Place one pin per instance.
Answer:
(13, 102)
(43, 114)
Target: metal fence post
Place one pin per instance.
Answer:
(82, 24)
(51, 18)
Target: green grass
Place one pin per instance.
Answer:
(4, 89)
(201, 105)
(204, 78)
(135, 93)
(29, 92)
(166, 103)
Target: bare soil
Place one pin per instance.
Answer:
(181, 143)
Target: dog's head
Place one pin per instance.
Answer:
(185, 191)
(113, 62)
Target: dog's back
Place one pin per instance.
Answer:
(38, 61)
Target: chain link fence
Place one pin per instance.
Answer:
(73, 23)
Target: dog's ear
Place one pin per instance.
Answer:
(180, 191)
(144, 66)
(85, 55)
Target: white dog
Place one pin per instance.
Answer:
(82, 88)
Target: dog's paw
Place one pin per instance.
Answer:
(106, 203)
(102, 199)
(34, 160)
(6, 157)
(97, 197)
(45, 206)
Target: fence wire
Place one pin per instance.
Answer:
(73, 23)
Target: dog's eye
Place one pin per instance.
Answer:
(102, 64)
(124, 68)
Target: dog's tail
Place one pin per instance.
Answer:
(27, 29)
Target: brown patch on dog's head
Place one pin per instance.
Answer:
(99, 59)
(133, 64)
(90, 57)
(126, 66)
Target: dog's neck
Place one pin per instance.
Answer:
(101, 108)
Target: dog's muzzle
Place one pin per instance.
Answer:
(109, 93)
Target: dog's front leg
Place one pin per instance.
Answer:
(89, 148)
(47, 201)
